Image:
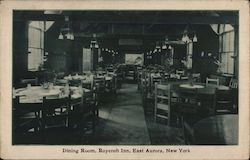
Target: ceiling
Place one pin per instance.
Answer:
(112, 26)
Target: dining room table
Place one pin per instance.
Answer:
(35, 94)
(202, 88)
(205, 94)
(87, 78)
(217, 130)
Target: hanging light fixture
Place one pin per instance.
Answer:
(169, 47)
(67, 36)
(189, 35)
(60, 36)
(186, 38)
(157, 47)
(71, 36)
(195, 38)
(164, 46)
(183, 38)
(96, 45)
(69, 33)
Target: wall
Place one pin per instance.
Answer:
(208, 42)
(20, 50)
(60, 51)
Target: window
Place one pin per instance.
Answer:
(227, 49)
(189, 55)
(35, 45)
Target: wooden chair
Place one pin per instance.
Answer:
(75, 83)
(91, 102)
(81, 115)
(99, 84)
(233, 83)
(211, 81)
(55, 112)
(196, 77)
(223, 102)
(87, 86)
(61, 82)
(26, 120)
(188, 104)
(179, 72)
(31, 81)
(187, 112)
(99, 87)
(162, 102)
(110, 85)
(144, 88)
(114, 84)
(153, 81)
(67, 126)
(75, 111)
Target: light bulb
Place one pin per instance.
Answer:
(195, 38)
(60, 36)
(164, 46)
(96, 45)
(72, 36)
(68, 36)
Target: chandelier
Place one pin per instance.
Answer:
(189, 35)
(66, 32)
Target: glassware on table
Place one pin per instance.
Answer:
(190, 79)
(66, 89)
(80, 90)
(51, 85)
(45, 85)
(28, 86)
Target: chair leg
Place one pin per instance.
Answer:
(96, 114)
(93, 123)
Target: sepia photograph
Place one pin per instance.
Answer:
(125, 81)
(125, 77)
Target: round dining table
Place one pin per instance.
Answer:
(35, 94)
(202, 88)
(205, 95)
(217, 130)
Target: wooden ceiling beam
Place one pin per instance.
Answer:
(179, 19)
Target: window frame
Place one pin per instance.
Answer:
(229, 51)
(41, 30)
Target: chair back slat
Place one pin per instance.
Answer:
(162, 102)
(212, 81)
(223, 101)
